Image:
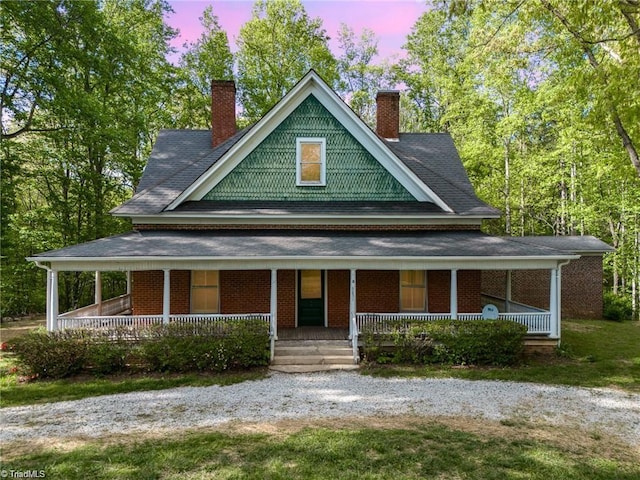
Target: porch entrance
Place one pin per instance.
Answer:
(311, 296)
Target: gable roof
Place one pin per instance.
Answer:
(183, 166)
(310, 84)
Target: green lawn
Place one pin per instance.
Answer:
(594, 353)
(402, 449)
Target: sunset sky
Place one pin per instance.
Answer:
(391, 20)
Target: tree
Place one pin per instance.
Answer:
(360, 78)
(534, 94)
(84, 89)
(209, 58)
(275, 49)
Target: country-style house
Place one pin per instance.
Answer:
(309, 218)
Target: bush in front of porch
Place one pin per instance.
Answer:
(460, 342)
(160, 348)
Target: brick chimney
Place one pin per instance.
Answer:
(223, 110)
(388, 114)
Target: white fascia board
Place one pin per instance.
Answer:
(312, 83)
(302, 219)
(299, 262)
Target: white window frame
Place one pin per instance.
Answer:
(425, 307)
(323, 161)
(208, 287)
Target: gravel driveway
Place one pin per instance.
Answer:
(325, 395)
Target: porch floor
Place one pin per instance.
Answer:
(313, 333)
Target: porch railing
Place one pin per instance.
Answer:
(536, 322)
(113, 306)
(509, 306)
(142, 321)
(108, 322)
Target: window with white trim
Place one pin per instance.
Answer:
(205, 295)
(413, 291)
(311, 162)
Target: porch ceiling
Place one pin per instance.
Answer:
(236, 249)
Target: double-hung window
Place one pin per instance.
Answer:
(205, 297)
(311, 162)
(413, 291)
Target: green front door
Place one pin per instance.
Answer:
(311, 298)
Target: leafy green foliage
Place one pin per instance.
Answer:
(198, 347)
(536, 96)
(475, 342)
(52, 354)
(617, 308)
(83, 88)
(163, 348)
(275, 49)
(208, 58)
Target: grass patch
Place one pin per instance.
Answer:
(594, 353)
(399, 448)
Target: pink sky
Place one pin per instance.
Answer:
(391, 20)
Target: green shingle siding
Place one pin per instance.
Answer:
(269, 171)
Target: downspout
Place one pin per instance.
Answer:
(559, 286)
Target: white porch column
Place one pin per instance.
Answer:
(128, 282)
(554, 303)
(54, 300)
(352, 301)
(49, 321)
(166, 296)
(274, 303)
(98, 292)
(454, 294)
(507, 294)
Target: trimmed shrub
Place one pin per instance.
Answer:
(203, 347)
(476, 342)
(52, 354)
(617, 308)
(206, 346)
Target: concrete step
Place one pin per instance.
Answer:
(311, 368)
(312, 350)
(313, 343)
(312, 360)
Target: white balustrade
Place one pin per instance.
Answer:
(536, 322)
(144, 321)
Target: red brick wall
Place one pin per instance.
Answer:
(286, 298)
(223, 111)
(245, 291)
(378, 291)
(388, 114)
(469, 291)
(438, 290)
(338, 294)
(249, 291)
(581, 287)
(147, 291)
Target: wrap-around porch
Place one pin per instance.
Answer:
(262, 274)
(117, 312)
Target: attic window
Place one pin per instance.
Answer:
(310, 162)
